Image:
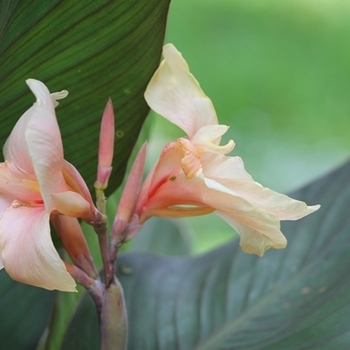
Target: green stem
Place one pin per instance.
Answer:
(101, 230)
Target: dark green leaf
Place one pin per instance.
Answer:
(162, 236)
(289, 299)
(93, 49)
(25, 312)
(83, 331)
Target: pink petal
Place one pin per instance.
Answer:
(15, 148)
(230, 172)
(74, 242)
(5, 202)
(220, 166)
(74, 180)
(72, 204)
(174, 93)
(208, 139)
(168, 165)
(284, 207)
(182, 197)
(258, 231)
(43, 139)
(17, 184)
(28, 253)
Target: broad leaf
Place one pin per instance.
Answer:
(83, 331)
(25, 313)
(93, 49)
(162, 236)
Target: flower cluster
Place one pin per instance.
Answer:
(193, 176)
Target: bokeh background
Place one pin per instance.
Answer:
(278, 72)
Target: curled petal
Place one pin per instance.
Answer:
(72, 204)
(208, 138)
(229, 172)
(28, 253)
(43, 139)
(174, 93)
(284, 207)
(16, 148)
(58, 96)
(76, 182)
(258, 232)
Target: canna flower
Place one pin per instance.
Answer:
(35, 184)
(193, 176)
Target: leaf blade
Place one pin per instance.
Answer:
(95, 50)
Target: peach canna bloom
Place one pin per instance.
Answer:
(194, 177)
(35, 183)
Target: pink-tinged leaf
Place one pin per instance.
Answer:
(174, 93)
(28, 253)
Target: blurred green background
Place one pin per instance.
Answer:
(278, 72)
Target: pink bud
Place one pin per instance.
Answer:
(106, 146)
(129, 198)
(132, 187)
(74, 242)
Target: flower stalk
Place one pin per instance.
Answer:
(113, 320)
(111, 306)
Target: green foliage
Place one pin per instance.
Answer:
(93, 49)
(165, 237)
(25, 313)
